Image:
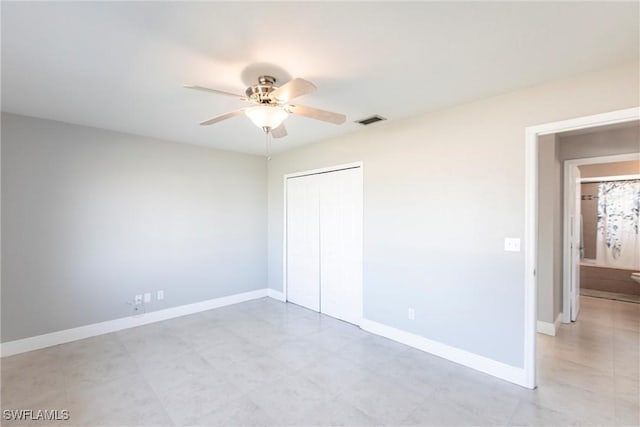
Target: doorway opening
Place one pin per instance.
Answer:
(602, 196)
(532, 203)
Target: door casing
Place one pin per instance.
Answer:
(530, 245)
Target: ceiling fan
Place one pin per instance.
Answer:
(272, 105)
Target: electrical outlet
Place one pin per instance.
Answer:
(138, 299)
(411, 314)
(160, 295)
(147, 297)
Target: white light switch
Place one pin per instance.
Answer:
(411, 314)
(160, 295)
(147, 297)
(511, 244)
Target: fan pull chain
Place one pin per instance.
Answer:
(268, 132)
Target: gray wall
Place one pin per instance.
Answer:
(91, 217)
(600, 143)
(550, 226)
(441, 192)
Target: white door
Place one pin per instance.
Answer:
(575, 241)
(303, 242)
(324, 243)
(341, 244)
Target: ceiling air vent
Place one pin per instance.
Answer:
(370, 120)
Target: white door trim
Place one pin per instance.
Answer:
(335, 168)
(531, 215)
(324, 170)
(566, 247)
(571, 241)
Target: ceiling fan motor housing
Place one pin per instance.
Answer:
(260, 93)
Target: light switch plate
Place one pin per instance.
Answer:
(160, 295)
(147, 297)
(511, 244)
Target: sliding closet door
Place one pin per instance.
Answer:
(341, 244)
(303, 244)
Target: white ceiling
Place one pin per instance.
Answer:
(121, 66)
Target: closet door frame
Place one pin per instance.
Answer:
(328, 169)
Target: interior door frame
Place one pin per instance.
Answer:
(569, 191)
(531, 219)
(570, 229)
(328, 169)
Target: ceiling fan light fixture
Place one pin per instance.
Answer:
(271, 105)
(266, 116)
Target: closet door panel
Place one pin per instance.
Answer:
(341, 244)
(303, 244)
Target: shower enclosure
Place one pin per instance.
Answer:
(611, 239)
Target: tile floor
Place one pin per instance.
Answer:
(268, 363)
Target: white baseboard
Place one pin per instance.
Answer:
(548, 328)
(68, 335)
(471, 360)
(277, 295)
(463, 357)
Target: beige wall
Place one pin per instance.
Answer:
(589, 209)
(630, 167)
(441, 192)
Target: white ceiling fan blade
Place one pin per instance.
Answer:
(222, 117)
(315, 113)
(292, 89)
(279, 132)
(216, 91)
